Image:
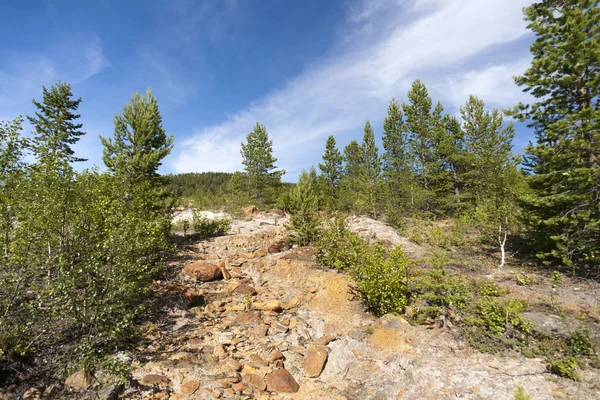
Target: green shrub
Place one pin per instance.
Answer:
(565, 367)
(499, 316)
(206, 228)
(520, 394)
(580, 343)
(382, 280)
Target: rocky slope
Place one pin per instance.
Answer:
(248, 317)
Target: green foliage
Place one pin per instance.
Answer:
(331, 168)
(258, 161)
(206, 228)
(563, 165)
(520, 394)
(140, 141)
(303, 206)
(382, 277)
(55, 126)
(581, 343)
(565, 366)
(499, 316)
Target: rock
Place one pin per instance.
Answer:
(50, 392)
(80, 380)
(32, 394)
(276, 355)
(281, 381)
(219, 351)
(314, 362)
(203, 271)
(234, 365)
(271, 305)
(293, 303)
(276, 211)
(257, 360)
(224, 272)
(248, 318)
(255, 380)
(111, 392)
(155, 379)
(278, 327)
(245, 289)
(192, 297)
(246, 211)
(278, 246)
(189, 387)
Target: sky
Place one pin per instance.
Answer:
(305, 69)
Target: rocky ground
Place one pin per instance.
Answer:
(248, 317)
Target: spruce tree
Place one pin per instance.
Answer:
(140, 141)
(331, 168)
(563, 165)
(353, 159)
(370, 159)
(394, 159)
(55, 125)
(258, 160)
(304, 209)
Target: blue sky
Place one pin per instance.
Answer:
(305, 69)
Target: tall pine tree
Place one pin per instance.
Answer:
(563, 165)
(331, 168)
(395, 157)
(140, 142)
(56, 129)
(258, 160)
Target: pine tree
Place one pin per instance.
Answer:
(140, 141)
(353, 159)
(331, 169)
(258, 160)
(563, 165)
(55, 125)
(370, 159)
(304, 209)
(395, 158)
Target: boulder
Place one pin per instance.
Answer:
(249, 210)
(281, 381)
(270, 305)
(203, 271)
(189, 387)
(155, 379)
(248, 318)
(278, 246)
(245, 289)
(276, 211)
(80, 380)
(255, 380)
(314, 362)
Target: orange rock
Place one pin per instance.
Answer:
(203, 271)
(155, 379)
(249, 210)
(190, 387)
(255, 380)
(281, 381)
(314, 362)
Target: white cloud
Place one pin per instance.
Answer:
(23, 74)
(336, 95)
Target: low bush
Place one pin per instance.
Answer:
(206, 228)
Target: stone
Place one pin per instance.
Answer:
(276, 211)
(276, 355)
(281, 381)
(111, 392)
(248, 318)
(155, 379)
(249, 210)
(234, 365)
(203, 271)
(257, 360)
(278, 327)
(192, 297)
(314, 362)
(293, 303)
(80, 380)
(238, 387)
(255, 380)
(224, 272)
(189, 387)
(219, 351)
(245, 289)
(278, 246)
(270, 305)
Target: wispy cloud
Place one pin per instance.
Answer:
(22, 74)
(426, 39)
